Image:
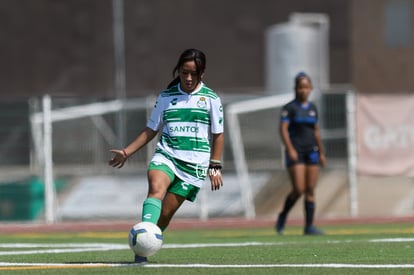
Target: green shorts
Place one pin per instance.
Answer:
(177, 186)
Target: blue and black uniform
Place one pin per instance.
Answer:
(302, 119)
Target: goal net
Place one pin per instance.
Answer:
(72, 138)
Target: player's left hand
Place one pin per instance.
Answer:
(216, 178)
(322, 160)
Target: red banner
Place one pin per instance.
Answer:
(385, 134)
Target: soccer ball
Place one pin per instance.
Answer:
(145, 239)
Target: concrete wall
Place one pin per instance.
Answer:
(65, 47)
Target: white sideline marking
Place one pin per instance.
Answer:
(47, 245)
(201, 245)
(287, 265)
(86, 247)
(392, 240)
(60, 248)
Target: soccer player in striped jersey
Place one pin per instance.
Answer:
(304, 152)
(190, 118)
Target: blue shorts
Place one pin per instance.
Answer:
(308, 158)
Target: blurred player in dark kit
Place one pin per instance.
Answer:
(304, 152)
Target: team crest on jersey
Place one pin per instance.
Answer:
(174, 101)
(202, 103)
(201, 171)
(312, 113)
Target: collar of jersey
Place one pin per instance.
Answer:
(303, 105)
(193, 92)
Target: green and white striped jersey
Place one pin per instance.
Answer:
(187, 122)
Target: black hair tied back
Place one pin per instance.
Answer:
(195, 55)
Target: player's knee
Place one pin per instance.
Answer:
(156, 191)
(310, 196)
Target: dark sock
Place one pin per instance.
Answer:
(309, 212)
(289, 203)
(163, 228)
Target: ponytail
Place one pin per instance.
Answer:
(174, 82)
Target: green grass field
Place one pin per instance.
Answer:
(352, 249)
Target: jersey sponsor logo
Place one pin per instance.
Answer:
(202, 103)
(183, 129)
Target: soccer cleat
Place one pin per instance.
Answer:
(141, 259)
(311, 230)
(280, 224)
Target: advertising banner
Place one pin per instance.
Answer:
(385, 134)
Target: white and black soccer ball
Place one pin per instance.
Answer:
(145, 239)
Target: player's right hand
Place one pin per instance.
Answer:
(293, 155)
(118, 160)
